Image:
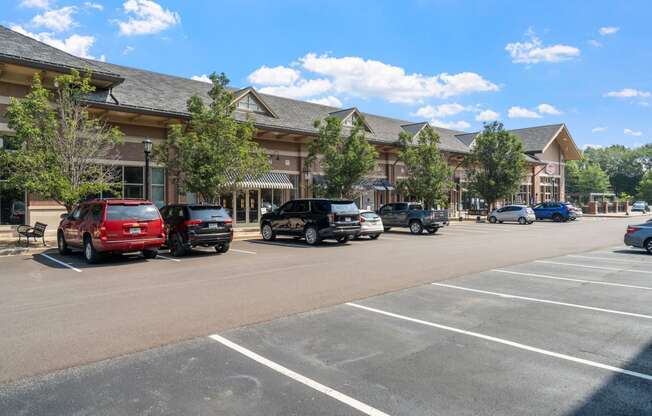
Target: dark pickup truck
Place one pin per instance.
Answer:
(413, 216)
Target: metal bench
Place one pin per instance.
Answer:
(35, 232)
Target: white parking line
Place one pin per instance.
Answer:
(61, 263)
(552, 302)
(467, 230)
(168, 258)
(570, 279)
(341, 397)
(509, 343)
(616, 269)
(633, 261)
(243, 251)
(383, 237)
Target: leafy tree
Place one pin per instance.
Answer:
(584, 177)
(645, 187)
(624, 166)
(496, 165)
(214, 151)
(428, 174)
(60, 143)
(346, 156)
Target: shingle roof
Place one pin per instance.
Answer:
(16, 46)
(534, 139)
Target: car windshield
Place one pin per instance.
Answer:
(369, 215)
(206, 213)
(416, 207)
(146, 212)
(343, 207)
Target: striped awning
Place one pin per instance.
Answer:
(271, 180)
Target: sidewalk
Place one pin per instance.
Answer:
(12, 248)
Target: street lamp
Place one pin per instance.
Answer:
(147, 148)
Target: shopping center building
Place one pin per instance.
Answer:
(144, 104)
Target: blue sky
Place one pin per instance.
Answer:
(454, 63)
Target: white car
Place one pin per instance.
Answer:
(371, 224)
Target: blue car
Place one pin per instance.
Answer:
(640, 236)
(555, 211)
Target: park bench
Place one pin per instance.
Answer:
(35, 232)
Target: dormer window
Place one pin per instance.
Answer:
(351, 120)
(249, 103)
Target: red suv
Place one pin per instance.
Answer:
(111, 226)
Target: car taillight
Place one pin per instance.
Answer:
(102, 232)
(331, 218)
(228, 221)
(631, 230)
(192, 222)
(362, 219)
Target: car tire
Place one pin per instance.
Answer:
(343, 239)
(267, 232)
(493, 219)
(90, 254)
(150, 253)
(557, 218)
(176, 246)
(433, 230)
(222, 248)
(387, 228)
(522, 221)
(648, 245)
(374, 236)
(416, 227)
(62, 245)
(311, 235)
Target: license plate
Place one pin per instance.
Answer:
(134, 230)
(213, 226)
(347, 219)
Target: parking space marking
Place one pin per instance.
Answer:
(503, 341)
(242, 251)
(168, 258)
(60, 262)
(633, 261)
(552, 302)
(341, 397)
(383, 237)
(615, 269)
(570, 279)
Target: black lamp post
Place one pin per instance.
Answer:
(147, 148)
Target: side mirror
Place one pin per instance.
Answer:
(64, 216)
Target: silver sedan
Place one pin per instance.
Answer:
(516, 213)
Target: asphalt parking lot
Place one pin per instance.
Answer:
(567, 334)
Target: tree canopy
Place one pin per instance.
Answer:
(428, 174)
(496, 165)
(584, 177)
(214, 152)
(344, 154)
(65, 154)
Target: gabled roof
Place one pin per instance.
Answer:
(535, 139)
(414, 128)
(239, 94)
(20, 49)
(349, 112)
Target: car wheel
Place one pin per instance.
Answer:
(493, 219)
(343, 239)
(648, 245)
(222, 248)
(374, 236)
(387, 228)
(62, 245)
(176, 246)
(150, 253)
(311, 235)
(433, 230)
(557, 218)
(416, 227)
(267, 232)
(90, 254)
(522, 221)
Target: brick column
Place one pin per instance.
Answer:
(593, 207)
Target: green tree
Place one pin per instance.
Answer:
(214, 151)
(624, 166)
(60, 143)
(428, 174)
(346, 156)
(584, 177)
(496, 165)
(645, 187)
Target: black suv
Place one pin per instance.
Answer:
(313, 219)
(188, 226)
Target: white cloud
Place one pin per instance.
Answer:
(595, 43)
(58, 20)
(128, 49)
(592, 146)
(440, 111)
(627, 93)
(534, 51)
(487, 115)
(330, 100)
(92, 5)
(301, 89)
(548, 109)
(146, 17)
(520, 112)
(35, 4)
(634, 133)
(278, 75)
(77, 45)
(202, 78)
(598, 129)
(608, 30)
(366, 78)
(453, 125)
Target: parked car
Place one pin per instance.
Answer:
(371, 224)
(555, 211)
(313, 219)
(517, 213)
(413, 216)
(640, 236)
(111, 226)
(192, 225)
(575, 211)
(640, 206)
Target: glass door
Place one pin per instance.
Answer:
(240, 207)
(253, 205)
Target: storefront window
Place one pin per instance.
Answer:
(157, 195)
(226, 201)
(240, 207)
(294, 193)
(550, 188)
